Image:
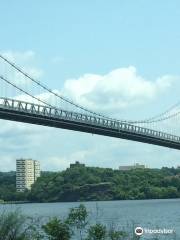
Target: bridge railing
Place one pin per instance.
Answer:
(51, 112)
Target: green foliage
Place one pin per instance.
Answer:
(7, 185)
(93, 184)
(56, 229)
(76, 221)
(97, 232)
(117, 235)
(15, 226)
(8, 188)
(88, 183)
(78, 218)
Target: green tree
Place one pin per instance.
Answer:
(56, 229)
(117, 235)
(97, 232)
(15, 226)
(78, 218)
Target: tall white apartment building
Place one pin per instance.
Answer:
(27, 172)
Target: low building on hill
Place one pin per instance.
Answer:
(77, 164)
(129, 167)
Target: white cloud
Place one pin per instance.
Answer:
(120, 88)
(115, 91)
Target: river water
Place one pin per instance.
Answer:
(148, 214)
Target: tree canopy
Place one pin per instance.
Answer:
(91, 183)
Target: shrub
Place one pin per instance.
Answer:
(56, 229)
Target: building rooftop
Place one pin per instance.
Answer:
(77, 164)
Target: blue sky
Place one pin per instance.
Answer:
(69, 39)
(95, 36)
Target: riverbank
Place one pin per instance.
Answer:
(15, 202)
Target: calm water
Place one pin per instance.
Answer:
(151, 214)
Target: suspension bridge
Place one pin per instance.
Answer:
(25, 99)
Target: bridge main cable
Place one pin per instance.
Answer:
(20, 89)
(157, 118)
(51, 91)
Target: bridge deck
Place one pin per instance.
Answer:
(21, 111)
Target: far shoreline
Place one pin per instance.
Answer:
(96, 201)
